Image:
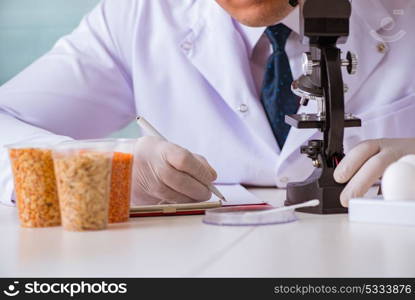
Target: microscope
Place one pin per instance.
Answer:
(324, 24)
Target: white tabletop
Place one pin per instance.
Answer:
(314, 246)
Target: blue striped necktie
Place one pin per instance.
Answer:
(276, 95)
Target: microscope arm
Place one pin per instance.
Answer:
(334, 99)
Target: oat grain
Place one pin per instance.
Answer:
(83, 180)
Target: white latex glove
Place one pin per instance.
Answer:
(167, 173)
(365, 164)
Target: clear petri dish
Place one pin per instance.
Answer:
(248, 216)
(254, 215)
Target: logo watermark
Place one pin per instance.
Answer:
(70, 289)
(11, 290)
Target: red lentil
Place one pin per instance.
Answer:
(119, 206)
(35, 187)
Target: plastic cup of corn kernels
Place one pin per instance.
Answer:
(83, 176)
(121, 179)
(35, 185)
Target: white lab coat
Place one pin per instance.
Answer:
(183, 66)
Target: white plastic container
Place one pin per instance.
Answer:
(83, 176)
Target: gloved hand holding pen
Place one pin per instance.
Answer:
(365, 164)
(167, 173)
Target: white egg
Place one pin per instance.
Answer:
(398, 182)
(410, 159)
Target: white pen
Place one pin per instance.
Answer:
(144, 124)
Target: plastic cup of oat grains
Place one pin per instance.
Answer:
(121, 179)
(35, 185)
(83, 176)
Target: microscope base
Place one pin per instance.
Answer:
(317, 186)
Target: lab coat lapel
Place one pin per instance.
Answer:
(366, 19)
(220, 55)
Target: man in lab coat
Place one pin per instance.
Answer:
(213, 77)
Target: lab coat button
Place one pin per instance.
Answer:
(381, 47)
(187, 46)
(284, 179)
(243, 108)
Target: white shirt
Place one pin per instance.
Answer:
(259, 47)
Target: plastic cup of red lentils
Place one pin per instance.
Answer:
(34, 184)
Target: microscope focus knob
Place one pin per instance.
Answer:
(352, 58)
(308, 64)
(351, 63)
